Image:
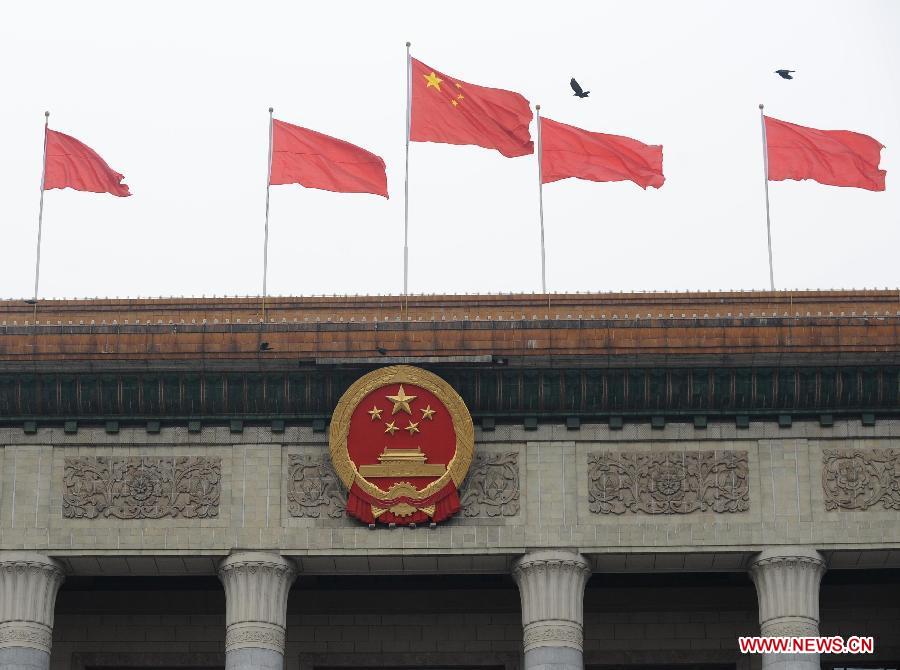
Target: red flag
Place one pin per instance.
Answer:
(450, 111)
(72, 164)
(831, 157)
(567, 151)
(311, 159)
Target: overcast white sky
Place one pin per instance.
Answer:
(175, 96)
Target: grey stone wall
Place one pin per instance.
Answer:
(262, 479)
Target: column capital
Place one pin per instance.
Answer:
(787, 582)
(28, 586)
(551, 586)
(256, 592)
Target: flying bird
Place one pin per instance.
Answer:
(575, 87)
(784, 74)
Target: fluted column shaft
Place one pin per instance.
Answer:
(551, 587)
(28, 586)
(256, 593)
(787, 587)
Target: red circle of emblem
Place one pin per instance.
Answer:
(401, 441)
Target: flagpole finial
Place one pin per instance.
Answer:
(271, 109)
(408, 45)
(47, 115)
(761, 106)
(537, 107)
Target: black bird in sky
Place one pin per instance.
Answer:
(784, 74)
(575, 87)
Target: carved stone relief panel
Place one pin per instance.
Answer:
(855, 479)
(668, 482)
(313, 488)
(492, 486)
(141, 487)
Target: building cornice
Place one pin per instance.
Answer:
(495, 391)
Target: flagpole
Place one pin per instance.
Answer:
(266, 242)
(406, 175)
(37, 264)
(541, 201)
(765, 144)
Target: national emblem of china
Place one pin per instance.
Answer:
(401, 441)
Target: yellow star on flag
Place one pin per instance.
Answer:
(390, 428)
(412, 428)
(433, 80)
(375, 413)
(401, 401)
(427, 413)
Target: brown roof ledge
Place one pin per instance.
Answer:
(710, 324)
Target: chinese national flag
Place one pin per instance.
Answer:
(311, 159)
(450, 111)
(831, 157)
(72, 164)
(567, 151)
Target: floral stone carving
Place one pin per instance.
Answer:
(855, 479)
(668, 482)
(313, 488)
(492, 487)
(142, 487)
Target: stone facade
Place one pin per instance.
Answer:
(786, 470)
(782, 478)
(652, 477)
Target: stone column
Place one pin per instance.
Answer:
(256, 592)
(787, 587)
(28, 586)
(551, 586)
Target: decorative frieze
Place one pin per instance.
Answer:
(313, 488)
(142, 487)
(240, 636)
(492, 487)
(543, 634)
(24, 634)
(668, 482)
(856, 479)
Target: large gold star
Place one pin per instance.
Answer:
(401, 401)
(375, 413)
(427, 413)
(412, 428)
(433, 80)
(390, 428)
